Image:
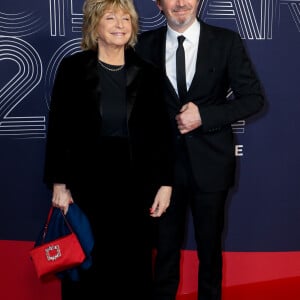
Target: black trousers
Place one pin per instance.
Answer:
(207, 210)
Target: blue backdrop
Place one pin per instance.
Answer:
(264, 209)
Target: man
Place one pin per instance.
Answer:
(215, 61)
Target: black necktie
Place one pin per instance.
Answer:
(180, 69)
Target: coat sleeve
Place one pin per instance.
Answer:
(57, 147)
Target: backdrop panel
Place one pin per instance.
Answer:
(263, 212)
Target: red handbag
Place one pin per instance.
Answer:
(58, 255)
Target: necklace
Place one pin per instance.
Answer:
(105, 66)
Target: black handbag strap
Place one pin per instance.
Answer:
(48, 221)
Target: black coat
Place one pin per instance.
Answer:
(74, 129)
(222, 63)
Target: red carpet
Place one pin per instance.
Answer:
(282, 289)
(247, 275)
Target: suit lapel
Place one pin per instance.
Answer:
(204, 51)
(92, 80)
(132, 79)
(131, 75)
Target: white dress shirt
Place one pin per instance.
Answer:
(190, 45)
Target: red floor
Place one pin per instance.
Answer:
(247, 276)
(283, 289)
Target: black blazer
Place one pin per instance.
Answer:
(222, 63)
(74, 127)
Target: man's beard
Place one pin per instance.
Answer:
(182, 23)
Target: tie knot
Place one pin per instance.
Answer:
(180, 39)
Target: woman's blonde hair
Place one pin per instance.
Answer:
(93, 11)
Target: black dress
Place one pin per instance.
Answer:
(119, 255)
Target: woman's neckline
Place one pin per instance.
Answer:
(109, 67)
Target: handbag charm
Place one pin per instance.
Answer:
(49, 250)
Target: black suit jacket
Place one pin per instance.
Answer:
(222, 63)
(74, 127)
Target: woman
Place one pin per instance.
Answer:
(108, 150)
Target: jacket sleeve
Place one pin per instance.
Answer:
(152, 131)
(248, 96)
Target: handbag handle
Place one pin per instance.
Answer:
(48, 221)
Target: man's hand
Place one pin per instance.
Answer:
(188, 118)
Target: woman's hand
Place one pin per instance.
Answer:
(161, 201)
(61, 197)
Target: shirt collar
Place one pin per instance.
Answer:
(191, 34)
